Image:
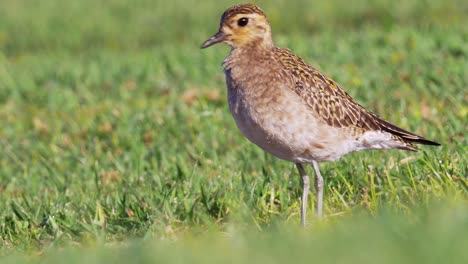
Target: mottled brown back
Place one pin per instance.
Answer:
(336, 107)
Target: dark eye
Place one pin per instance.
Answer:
(243, 22)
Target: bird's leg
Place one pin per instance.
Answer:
(318, 188)
(305, 191)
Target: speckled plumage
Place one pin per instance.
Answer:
(289, 108)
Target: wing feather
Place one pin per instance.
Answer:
(336, 107)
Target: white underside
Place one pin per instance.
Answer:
(301, 137)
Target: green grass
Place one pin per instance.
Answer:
(116, 142)
(388, 238)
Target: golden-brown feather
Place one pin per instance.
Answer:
(335, 106)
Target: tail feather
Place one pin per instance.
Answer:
(405, 135)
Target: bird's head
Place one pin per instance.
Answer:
(241, 26)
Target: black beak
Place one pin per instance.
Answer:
(218, 37)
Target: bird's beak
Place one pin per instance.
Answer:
(218, 37)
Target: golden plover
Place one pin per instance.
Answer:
(290, 109)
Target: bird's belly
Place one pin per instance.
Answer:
(282, 129)
(264, 136)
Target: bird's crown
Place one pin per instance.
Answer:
(244, 9)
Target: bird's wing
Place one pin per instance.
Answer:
(336, 107)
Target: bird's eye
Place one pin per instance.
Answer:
(243, 22)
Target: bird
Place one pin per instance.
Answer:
(290, 109)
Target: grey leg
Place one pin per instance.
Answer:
(318, 188)
(305, 191)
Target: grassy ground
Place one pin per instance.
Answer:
(116, 142)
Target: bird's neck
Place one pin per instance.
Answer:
(257, 44)
(249, 55)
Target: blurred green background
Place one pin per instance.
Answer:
(39, 26)
(116, 143)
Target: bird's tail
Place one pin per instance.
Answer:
(404, 135)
